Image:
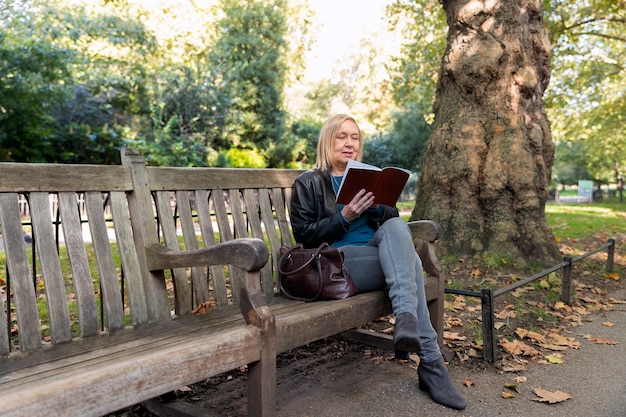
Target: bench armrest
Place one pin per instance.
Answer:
(248, 254)
(425, 233)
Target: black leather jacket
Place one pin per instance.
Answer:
(314, 215)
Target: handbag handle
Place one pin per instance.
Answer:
(299, 246)
(316, 256)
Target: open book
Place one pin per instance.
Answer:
(386, 183)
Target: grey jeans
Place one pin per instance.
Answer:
(390, 260)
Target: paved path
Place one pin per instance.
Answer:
(594, 375)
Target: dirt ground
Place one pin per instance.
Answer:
(352, 379)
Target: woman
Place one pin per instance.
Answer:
(378, 250)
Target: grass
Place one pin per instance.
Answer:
(578, 220)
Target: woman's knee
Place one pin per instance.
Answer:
(396, 228)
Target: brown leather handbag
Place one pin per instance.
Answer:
(314, 274)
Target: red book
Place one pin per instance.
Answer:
(386, 183)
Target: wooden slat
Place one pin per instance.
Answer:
(81, 275)
(221, 215)
(281, 217)
(267, 215)
(236, 211)
(18, 177)
(128, 254)
(50, 267)
(198, 274)
(96, 388)
(182, 302)
(141, 210)
(223, 225)
(254, 222)
(220, 294)
(17, 263)
(109, 285)
(241, 230)
(168, 178)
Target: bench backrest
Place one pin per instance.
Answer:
(104, 218)
(54, 295)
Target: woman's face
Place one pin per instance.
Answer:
(345, 145)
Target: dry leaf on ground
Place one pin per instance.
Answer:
(603, 341)
(551, 397)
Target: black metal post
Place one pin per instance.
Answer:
(610, 254)
(489, 342)
(566, 286)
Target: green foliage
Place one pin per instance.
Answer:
(415, 71)
(403, 146)
(586, 100)
(250, 52)
(240, 158)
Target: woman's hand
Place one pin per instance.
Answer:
(361, 202)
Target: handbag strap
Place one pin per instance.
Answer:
(320, 287)
(300, 268)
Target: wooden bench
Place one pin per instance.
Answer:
(102, 310)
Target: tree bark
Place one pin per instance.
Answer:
(488, 161)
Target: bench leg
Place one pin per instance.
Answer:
(262, 375)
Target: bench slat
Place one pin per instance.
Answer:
(19, 177)
(267, 215)
(241, 230)
(280, 202)
(254, 222)
(223, 225)
(50, 267)
(109, 284)
(144, 234)
(17, 263)
(182, 302)
(198, 274)
(220, 294)
(168, 178)
(128, 254)
(81, 275)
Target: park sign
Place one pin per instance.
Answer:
(585, 191)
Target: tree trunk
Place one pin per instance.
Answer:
(488, 162)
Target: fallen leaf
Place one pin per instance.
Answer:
(204, 308)
(554, 359)
(612, 275)
(453, 336)
(507, 394)
(506, 314)
(550, 346)
(608, 324)
(517, 347)
(468, 382)
(561, 340)
(616, 301)
(527, 334)
(511, 385)
(521, 379)
(603, 341)
(551, 397)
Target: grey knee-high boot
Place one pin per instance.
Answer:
(435, 379)
(405, 335)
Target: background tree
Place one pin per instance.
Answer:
(488, 161)
(586, 99)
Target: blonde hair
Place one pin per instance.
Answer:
(325, 142)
